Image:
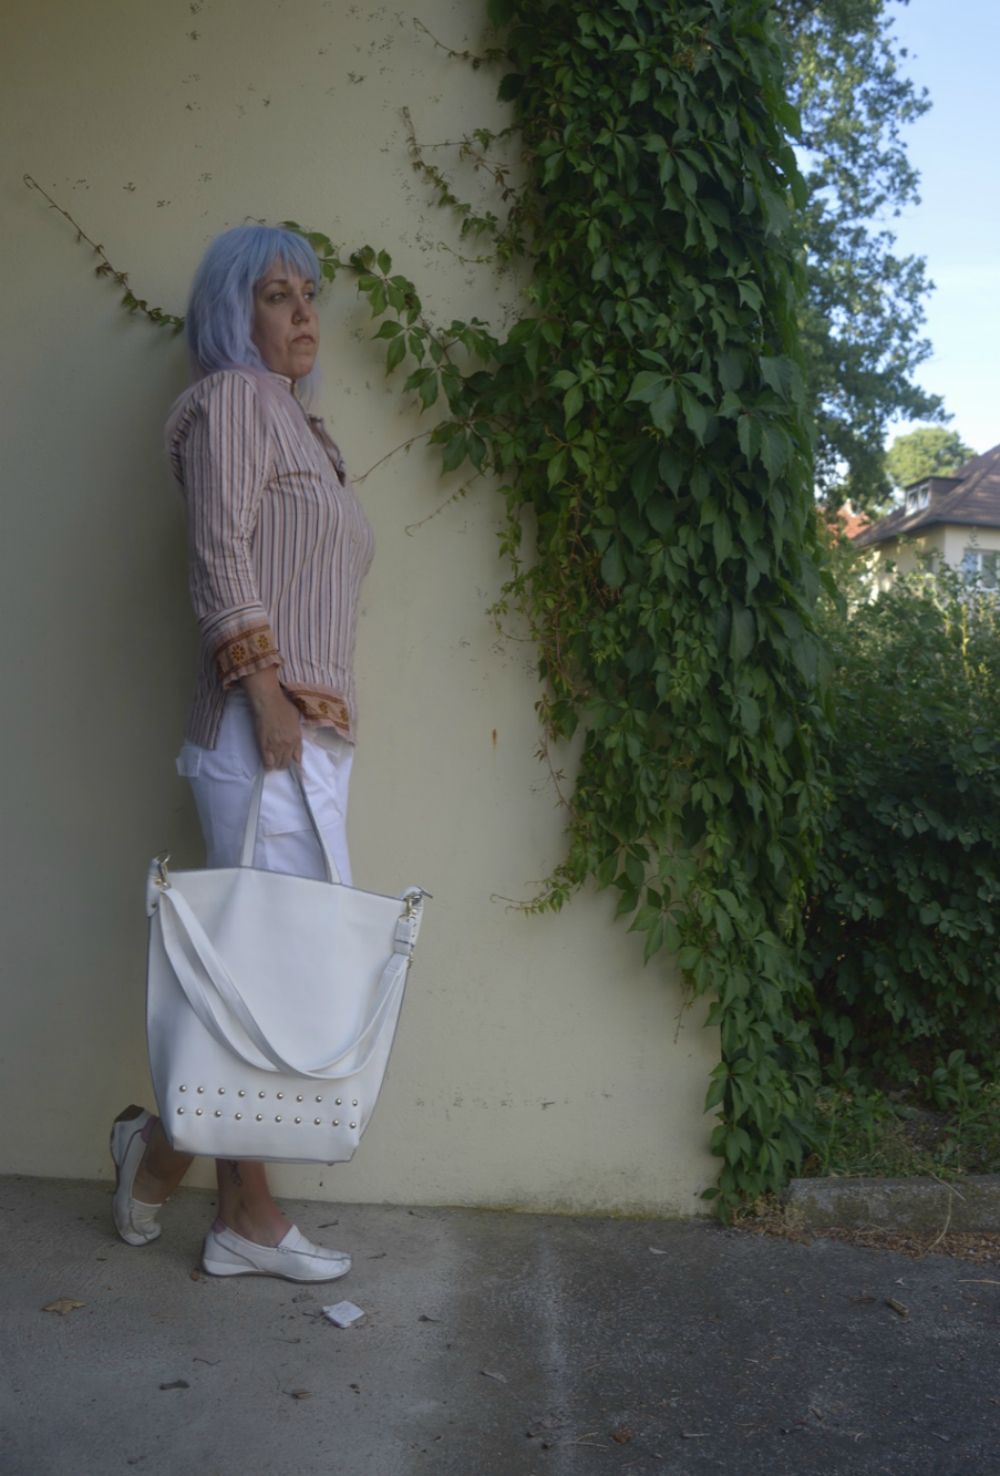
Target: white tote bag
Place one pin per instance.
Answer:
(271, 1004)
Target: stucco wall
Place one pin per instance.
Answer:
(957, 540)
(947, 541)
(538, 1064)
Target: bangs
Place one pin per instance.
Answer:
(295, 255)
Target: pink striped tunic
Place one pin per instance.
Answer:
(279, 545)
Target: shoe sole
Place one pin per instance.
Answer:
(221, 1268)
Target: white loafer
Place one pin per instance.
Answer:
(295, 1258)
(134, 1221)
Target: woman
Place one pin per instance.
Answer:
(279, 546)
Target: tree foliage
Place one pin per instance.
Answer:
(863, 310)
(902, 923)
(930, 451)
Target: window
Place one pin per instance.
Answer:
(982, 567)
(918, 498)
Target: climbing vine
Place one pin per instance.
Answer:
(648, 411)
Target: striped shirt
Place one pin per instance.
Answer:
(279, 545)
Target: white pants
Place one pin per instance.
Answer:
(222, 777)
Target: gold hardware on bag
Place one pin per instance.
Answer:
(413, 900)
(162, 881)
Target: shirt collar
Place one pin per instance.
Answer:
(283, 379)
(292, 386)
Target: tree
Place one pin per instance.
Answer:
(863, 307)
(930, 451)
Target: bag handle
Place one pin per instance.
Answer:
(253, 820)
(205, 980)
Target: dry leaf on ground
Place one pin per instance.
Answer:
(63, 1305)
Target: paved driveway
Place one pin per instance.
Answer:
(495, 1345)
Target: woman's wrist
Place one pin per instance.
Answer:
(263, 688)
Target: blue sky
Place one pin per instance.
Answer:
(954, 45)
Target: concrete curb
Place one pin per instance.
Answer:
(971, 1204)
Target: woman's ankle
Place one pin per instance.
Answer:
(263, 1225)
(161, 1168)
(147, 1189)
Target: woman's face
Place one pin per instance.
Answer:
(285, 326)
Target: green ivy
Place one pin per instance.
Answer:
(647, 411)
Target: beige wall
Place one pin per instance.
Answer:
(538, 1064)
(945, 541)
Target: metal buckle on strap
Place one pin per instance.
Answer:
(413, 901)
(408, 923)
(163, 880)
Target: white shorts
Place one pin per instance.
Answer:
(221, 779)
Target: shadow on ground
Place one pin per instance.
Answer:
(495, 1345)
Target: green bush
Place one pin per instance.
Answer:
(901, 924)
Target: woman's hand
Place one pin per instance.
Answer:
(276, 719)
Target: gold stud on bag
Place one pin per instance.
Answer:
(267, 986)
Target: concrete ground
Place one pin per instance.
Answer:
(494, 1345)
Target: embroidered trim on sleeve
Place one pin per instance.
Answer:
(247, 652)
(324, 708)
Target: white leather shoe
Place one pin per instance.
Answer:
(295, 1258)
(134, 1221)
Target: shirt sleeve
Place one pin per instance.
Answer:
(223, 460)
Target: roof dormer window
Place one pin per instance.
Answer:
(917, 498)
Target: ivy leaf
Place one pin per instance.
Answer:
(428, 390)
(454, 452)
(743, 633)
(396, 353)
(500, 12)
(774, 450)
(749, 433)
(613, 568)
(572, 402)
(695, 415)
(510, 87)
(646, 386)
(722, 539)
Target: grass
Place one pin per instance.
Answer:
(897, 1134)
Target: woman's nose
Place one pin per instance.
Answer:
(302, 309)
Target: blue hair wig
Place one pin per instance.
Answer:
(221, 308)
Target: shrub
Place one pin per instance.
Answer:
(901, 926)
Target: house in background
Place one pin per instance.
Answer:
(954, 519)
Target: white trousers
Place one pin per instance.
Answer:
(221, 779)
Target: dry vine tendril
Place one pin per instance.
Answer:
(649, 409)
